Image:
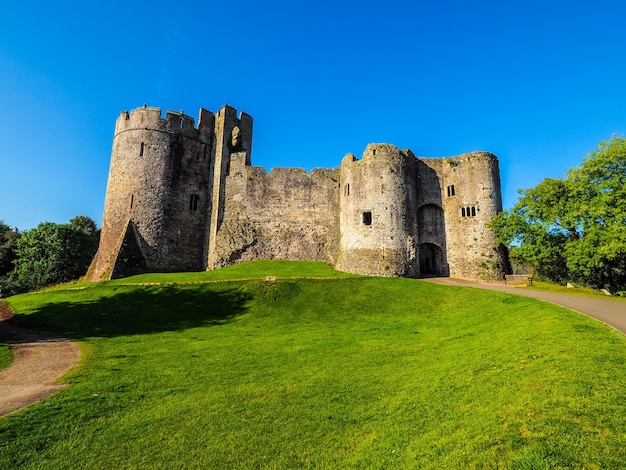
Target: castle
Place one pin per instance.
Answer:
(182, 197)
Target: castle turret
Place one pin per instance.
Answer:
(157, 198)
(471, 197)
(233, 136)
(378, 219)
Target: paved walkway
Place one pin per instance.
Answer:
(609, 311)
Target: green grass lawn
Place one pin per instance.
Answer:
(251, 270)
(582, 291)
(5, 355)
(350, 372)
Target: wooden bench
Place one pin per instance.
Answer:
(518, 279)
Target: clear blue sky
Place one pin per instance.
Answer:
(538, 83)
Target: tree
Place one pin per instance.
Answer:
(53, 253)
(8, 242)
(86, 238)
(84, 224)
(574, 228)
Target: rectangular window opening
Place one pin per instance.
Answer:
(367, 218)
(193, 202)
(451, 190)
(469, 211)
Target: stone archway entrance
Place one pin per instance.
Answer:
(432, 241)
(431, 260)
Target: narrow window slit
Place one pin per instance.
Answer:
(193, 202)
(367, 218)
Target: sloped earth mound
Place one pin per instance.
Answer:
(39, 360)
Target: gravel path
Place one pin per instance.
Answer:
(39, 360)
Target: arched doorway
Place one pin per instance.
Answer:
(432, 240)
(431, 260)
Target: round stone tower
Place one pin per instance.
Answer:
(378, 217)
(471, 197)
(158, 193)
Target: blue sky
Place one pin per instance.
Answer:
(538, 83)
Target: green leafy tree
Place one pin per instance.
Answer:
(53, 253)
(84, 224)
(8, 242)
(574, 228)
(86, 238)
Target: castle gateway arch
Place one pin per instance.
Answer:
(432, 241)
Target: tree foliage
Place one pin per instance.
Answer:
(574, 228)
(53, 253)
(8, 243)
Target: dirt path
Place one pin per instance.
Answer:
(609, 311)
(38, 362)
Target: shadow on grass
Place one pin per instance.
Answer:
(137, 312)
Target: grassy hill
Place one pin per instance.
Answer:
(336, 372)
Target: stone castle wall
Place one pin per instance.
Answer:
(286, 214)
(186, 198)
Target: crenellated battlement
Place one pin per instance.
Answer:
(228, 112)
(378, 153)
(470, 157)
(149, 118)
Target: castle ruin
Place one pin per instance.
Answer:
(182, 197)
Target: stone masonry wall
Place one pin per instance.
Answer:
(431, 218)
(286, 214)
(233, 135)
(157, 165)
(471, 246)
(378, 213)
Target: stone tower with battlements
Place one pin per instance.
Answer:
(185, 197)
(378, 213)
